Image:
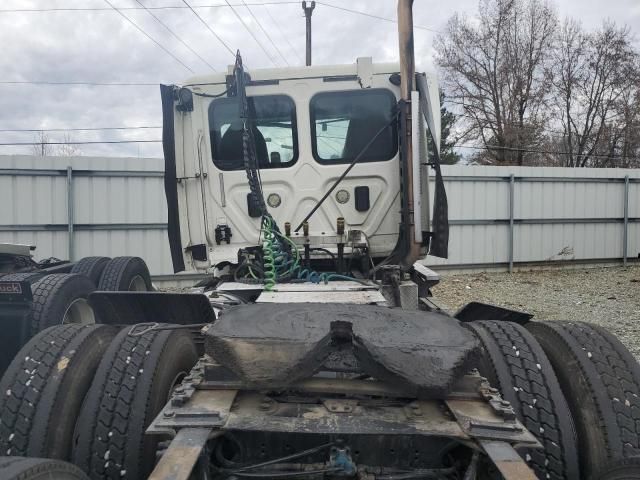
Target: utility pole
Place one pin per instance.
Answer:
(307, 13)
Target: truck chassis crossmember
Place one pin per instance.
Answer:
(347, 414)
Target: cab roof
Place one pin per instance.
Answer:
(362, 66)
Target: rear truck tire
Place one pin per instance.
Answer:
(20, 468)
(515, 364)
(133, 383)
(43, 389)
(91, 267)
(61, 298)
(126, 274)
(621, 469)
(601, 381)
(31, 277)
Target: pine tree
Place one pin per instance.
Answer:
(448, 156)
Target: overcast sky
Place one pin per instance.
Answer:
(102, 46)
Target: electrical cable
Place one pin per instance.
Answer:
(12, 144)
(149, 37)
(207, 95)
(104, 9)
(266, 33)
(250, 32)
(370, 15)
(294, 474)
(91, 84)
(284, 459)
(548, 152)
(88, 129)
(286, 38)
(209, 28)
(324, 250)
(419, 473)
(166, 27)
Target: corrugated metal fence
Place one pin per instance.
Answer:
(500, 216)
(511, 216)
(81, 206)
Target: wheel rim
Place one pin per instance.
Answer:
(137, 284)
(79, 312)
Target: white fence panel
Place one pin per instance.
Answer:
(559, 214)
(118, 208)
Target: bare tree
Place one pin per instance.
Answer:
(596, 87)
(41, 146)
(619, 143)
(495, 69)
(68, 148)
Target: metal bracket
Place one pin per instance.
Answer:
(340, 406)
(492, 419)
(192, 408)
(364, 66)
(183, 453)
(507, 461)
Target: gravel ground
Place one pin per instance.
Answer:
(609, 297)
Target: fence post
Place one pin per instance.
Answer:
(625, 230)
(70, 215)
(511, 210)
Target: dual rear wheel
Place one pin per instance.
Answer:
(576, 388)
(62, 298)
(113, 383)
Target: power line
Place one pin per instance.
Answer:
(105, 9)
(209, 28)
(282, 33)
(149, 36)
(16, 144)
(266, 33)
(175, 35)
(370, 15)
(90, 129)
(251, 33)
(92, 84)
(548, 152)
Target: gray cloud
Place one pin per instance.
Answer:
(101, 46)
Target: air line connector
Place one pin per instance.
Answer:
(287, 229)
(307, 246)
(340, 232)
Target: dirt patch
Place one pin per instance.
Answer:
(609, 297)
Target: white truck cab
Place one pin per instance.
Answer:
(309, 125)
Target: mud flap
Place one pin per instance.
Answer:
(484, 311)
(439, 245)
(128, 308)
(170, 181)
(15, 306)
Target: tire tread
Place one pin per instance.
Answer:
(613, 378)
(117, 408)
(526, 379)
(26, 389)
(113, 273)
